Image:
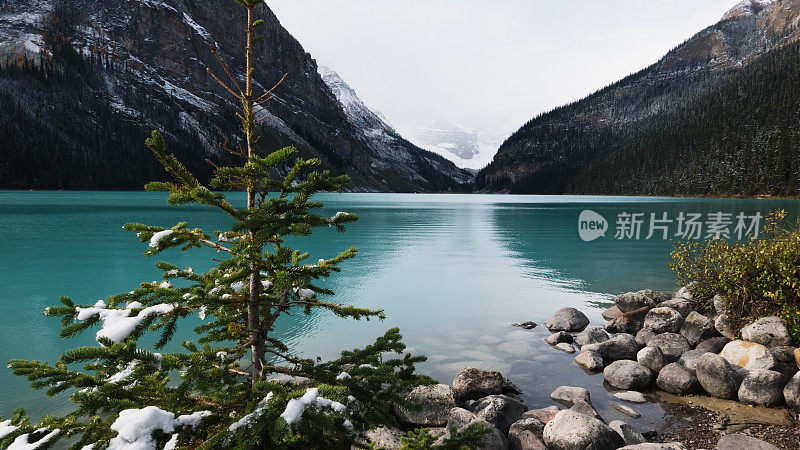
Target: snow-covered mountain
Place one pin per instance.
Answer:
(82, 83)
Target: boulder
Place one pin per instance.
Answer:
(762, 387)
(627, 410)
(663, 320)
(797, 357)
(543, 414)
(631, 396)
(569, 395)
(567, 319)
(460, 419)
(472, 384)
(384, 437)
(791, 393)
(629, 322)
(621, 346)
(677, 379)
(628, 374)
(653, 446)
(589, 360)
(697, 328)
(743, 442)
(593, 335)
(672, 345)
(499, 410)
(652, 358)
(713, 345)
(720, 304)
(718, 377)
(767, 331)
(748, 355)
(566, 348)
(435, 402)
(611, 313)
(628, 434)
(644, 335)
(684, 293)
(524, 435)
(787, 370)
(634, 300)
(682, 305)
(573, 431)
(585, 408)
(784, 354)
(726, 326)
(559, 337)
(689, 359)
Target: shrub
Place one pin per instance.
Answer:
(755, 279)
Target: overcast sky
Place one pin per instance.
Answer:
(489, 64)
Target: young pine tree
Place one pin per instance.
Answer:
(220, 390)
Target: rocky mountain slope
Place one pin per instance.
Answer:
(82, 83)
(722, 99)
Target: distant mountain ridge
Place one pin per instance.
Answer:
(677, 115)
(76, 117)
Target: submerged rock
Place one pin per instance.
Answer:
(631, 396)
(718, 377)
(525, 325)
(762, 387)
(572, 431)
(435, 402)
(472, 384)
(748, 355)
(663, 320)
(567, 319)
(589, 360)
(628, 375)
(767, 331)
(627, 410)
(566, 348)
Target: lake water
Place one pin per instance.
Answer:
(452, 271)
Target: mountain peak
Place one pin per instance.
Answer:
(746, 8)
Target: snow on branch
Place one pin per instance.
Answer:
(118, 324)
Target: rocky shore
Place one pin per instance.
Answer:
(654, 346)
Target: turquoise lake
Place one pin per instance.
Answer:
(452, 271)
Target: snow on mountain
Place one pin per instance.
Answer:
(746, 8)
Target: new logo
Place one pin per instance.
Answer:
(591, 225)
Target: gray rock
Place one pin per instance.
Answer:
(569, 395)
(631, 396)
(435, 402)
(762, 387)
(720, 304)
(718, 377)
(628, 374)
(566, 348)
(689, 359)
(748, 355)
(621, 346)
(627, 410)
(791, 393)
(788, 370)
(611, 313)
(592, 335)
(472, 384)
(652, 358)
(672, 345)
(767, 331)
(586, 408)
(743, 442)
(460, 419)
(567, 319)
(784, 354)
(573, 431)
(726, 326)
(682, 305)
(653, 446)
(499, 410)
(663, 320)
(628, 434)
(589, 360)
(525, 325)
(697, 328)
(559, 337)
(525, 435)
(629, 322)
(644, 335)
(543, 414)
(384, 437)
(634, 300)
(677, 379)
(713, 345)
